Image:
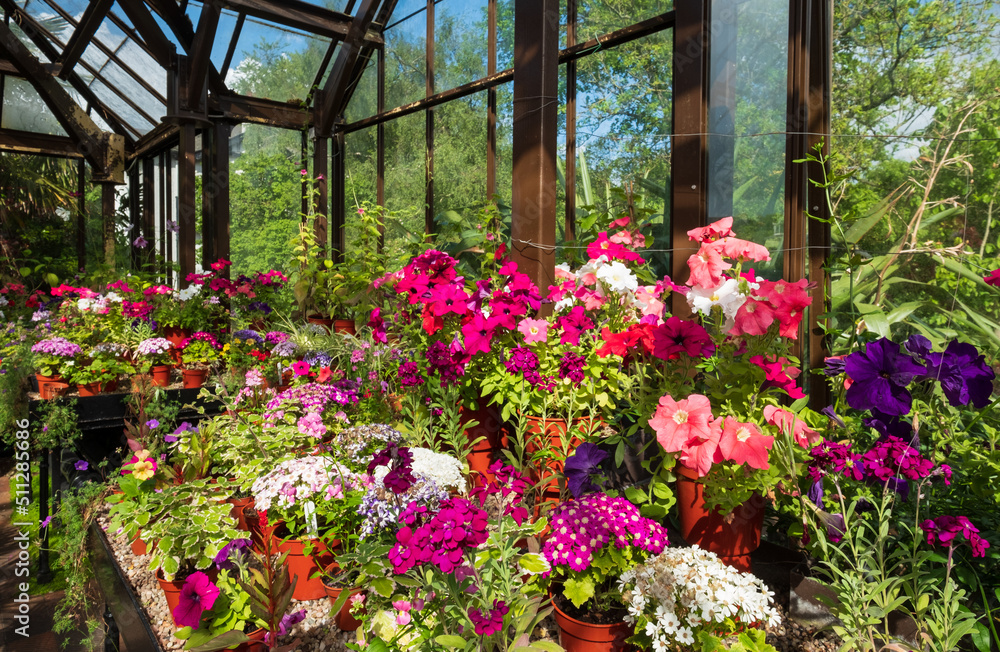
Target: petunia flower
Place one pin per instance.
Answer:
(707, 266)
(534, 330)
(300, 368)
(881, 374)
(964, 375)
(81, 465)
(743, 443)
(197, 595)
(789, 424)
(581, 467)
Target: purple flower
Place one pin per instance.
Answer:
(198, 594)
(963, 373)
(45, 523)
(409, 374)
(81, 465)
(581, 466)
(888, 425)
(816, 493)
(944, 529)
(918, 345)
(880, 374)
(247, 334)
(829, 411)
(140, 242)
(492, 622)
(231, 549)
(152, 424)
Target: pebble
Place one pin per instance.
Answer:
(318, 634)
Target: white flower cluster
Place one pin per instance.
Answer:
(189, 292)
(682, 589)
(727, 296)
(300, 479)
(443, 469)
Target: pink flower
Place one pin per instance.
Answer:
(534, 330)
(743, 443)
(993, 279)
(789, 424)
(477, 333)
(707, 266)
(687, 427)
(719, 229)
(449, 298)
(300, 368)
(744, 250)
(753, 318)
(198, 594)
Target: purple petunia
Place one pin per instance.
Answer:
(964, 375)
(81, 465)
(582, 466)
(234, 548)
(881, 374)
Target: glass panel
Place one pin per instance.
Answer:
(24, 109)
(624, 123)
(265, 198)
(144, 66)
(461, 38)
(51, 20)
(275, 62)
(505, 143)
(405, 155)
(406, 54)
(118, 105)
(459, 165)
(364, 100)
(505, 34)
(223, 37)
(361, 176)
(747, 97)
(117, 78)
(599, 17)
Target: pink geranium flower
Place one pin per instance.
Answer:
(534, 330)
(743, 443)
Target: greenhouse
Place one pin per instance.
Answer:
(507, 325)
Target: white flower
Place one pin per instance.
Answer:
(189, 292)
(113, 297)
(3, 301)
(84, 304)
(618, 277)
(685, 636)
(726, 295)
(440, 468)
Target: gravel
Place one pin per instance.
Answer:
(317, 633)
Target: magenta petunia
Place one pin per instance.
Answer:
(300, 368)
(198, 594)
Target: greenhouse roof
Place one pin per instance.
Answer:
(135, 68)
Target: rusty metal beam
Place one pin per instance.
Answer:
(159, 46)
(187, 206)
(330, 101)
(321, 172)
(91, 20)
(162, 137)
(536, 104)
(201, 52)
(241, 108)
(40, 38)
(105, 152)
(301, 15)
(26, 142)
(688, 155)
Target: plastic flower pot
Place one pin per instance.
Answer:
(578, 636)
(304, 566)
(256, 642)
(89, 389)
(139, 547)
(194, 378)
(490, 448)
(160, 375)
(237, 512)
(343, 618)
(344, 326)
(325, 322)
(50, 387)
(175, 336)
(732, 541)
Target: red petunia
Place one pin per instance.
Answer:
(743, 443)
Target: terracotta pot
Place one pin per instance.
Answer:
(50, 387)
(343, 618)
(89, 389)
(733, 541)
(161, 375)
(255, 644)
(172, 589)
(490, 449)
(578, 636)
(194, 378)
(237, 512)
(305, 567)
(345, 326)
(175, 336)
(325, 322)
(139, 547)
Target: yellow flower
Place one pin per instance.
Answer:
(249, 342)
(143, 470)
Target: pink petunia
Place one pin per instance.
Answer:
(198, 594)
(993, 278)
(701, 452)
(678, 422)
(719, 229)
(753, 318)
(300, 368)
(789, 424)
(744, 250)
(449, 298)
(534, 330)
(707, 266)
(743, 443)
(478, 334)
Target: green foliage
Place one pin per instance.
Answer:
(58, 425)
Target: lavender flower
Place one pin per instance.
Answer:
(56, 346)
(285, 349)
(247, 334)
(153, 346)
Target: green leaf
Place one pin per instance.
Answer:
(579, 590)
(52, 279)
(25, 271)
(382, 586)
(864, 224)
(533, 562)
(547, 646)
(450, 641)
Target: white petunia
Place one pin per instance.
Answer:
(618, 278)
(189, 292)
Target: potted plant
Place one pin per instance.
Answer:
(474, 589)
(198, 353)
(290, 497)
(688, 597)
(249, 602)
(595, 539)
(99, 370)
(153, 357)
(52, 358)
